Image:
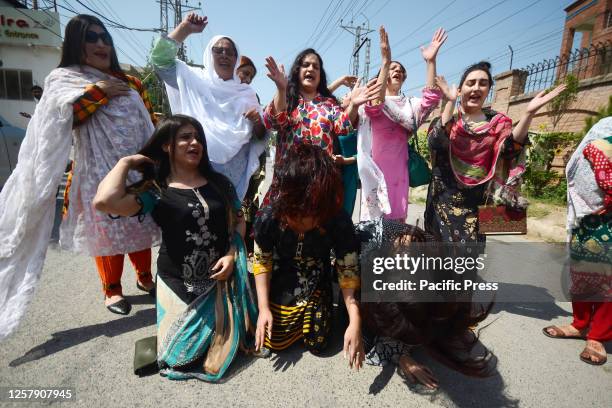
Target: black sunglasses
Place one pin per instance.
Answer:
(221, 50)
(92, 37)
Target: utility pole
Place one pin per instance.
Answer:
(164, 18)
(366, 68)
(359, 32)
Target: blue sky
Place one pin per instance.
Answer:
(283, 28)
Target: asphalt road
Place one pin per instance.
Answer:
(68, 339)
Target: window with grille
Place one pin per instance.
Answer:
(15, 84)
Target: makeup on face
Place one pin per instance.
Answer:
(187, 145)
(474, 89)
(98, 48)
(310, 72)
(224, 58)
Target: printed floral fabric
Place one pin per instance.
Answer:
(317, 122)
(194, 236)
(451, 212)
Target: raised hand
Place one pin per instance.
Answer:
(385, 48)
(429, 53)
(276, 73)
(543, 98)
(194, 23)
(363, 94)
(450, 92)
(349, 81)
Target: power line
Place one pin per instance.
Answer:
(483, 31)
(137, 48)
(451, 29)
(319, 23)
(434, 15)
(114, 23)
(380, 9)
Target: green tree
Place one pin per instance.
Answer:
(561, 104)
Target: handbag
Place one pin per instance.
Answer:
(500, 219)
(145, 356)
(419, 172)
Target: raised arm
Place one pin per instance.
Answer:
(385, 55)
(277, 75)
(430, 53)
(112, 197)
(361, 95)
(191, 24)
(520, 131)
(347, 80)
(450, 95)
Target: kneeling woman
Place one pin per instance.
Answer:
(294, 237)
(204, 303)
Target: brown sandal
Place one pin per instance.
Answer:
(588, 353)
(559, 334)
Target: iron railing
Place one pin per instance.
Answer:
(582, 63)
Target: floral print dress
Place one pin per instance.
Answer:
(319, 122)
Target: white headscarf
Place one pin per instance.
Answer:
(584, 196)
(219, 105)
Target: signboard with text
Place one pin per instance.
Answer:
(25, 27)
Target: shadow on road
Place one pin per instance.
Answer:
(69, 338)
(464, 391)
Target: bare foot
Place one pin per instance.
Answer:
(593, 353)
(564, 331)
(113, 299)
(417, 372)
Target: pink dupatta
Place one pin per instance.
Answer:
(474, 152)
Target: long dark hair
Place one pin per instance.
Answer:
(444, 328)
(73, 47)
(165, 133)
(309, 184)
(293, 87)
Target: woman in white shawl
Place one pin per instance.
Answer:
(227, 109)
(88, 99)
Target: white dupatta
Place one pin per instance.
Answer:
(220, 107)
(27, 201)
(374, 193)
(584, 196)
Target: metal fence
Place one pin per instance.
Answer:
(582, 63)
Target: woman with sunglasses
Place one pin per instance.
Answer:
(227, 108)
(87, 98)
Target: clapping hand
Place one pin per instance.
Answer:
(276, 73)
(429, 53)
